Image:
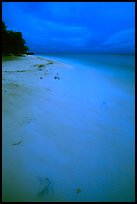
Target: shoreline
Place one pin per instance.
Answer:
(35, 57)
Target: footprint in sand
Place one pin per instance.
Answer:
(26, 120)
(46, 186)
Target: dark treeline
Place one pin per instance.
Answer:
(13, 42)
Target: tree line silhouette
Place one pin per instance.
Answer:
(13, 42)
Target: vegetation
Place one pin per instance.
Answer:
(12, 42)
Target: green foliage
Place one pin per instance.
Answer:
(3, 26)
(12, 42)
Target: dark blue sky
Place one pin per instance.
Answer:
(72, 27)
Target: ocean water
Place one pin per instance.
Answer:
(80, 145)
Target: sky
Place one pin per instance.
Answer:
(73, 27)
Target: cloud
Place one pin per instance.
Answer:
(71, 41)
(74, 25)
(54, 33)
(123, 40)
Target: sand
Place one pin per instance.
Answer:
(64, 137)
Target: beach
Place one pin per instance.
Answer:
(67, 131)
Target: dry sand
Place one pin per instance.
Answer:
(28, 85)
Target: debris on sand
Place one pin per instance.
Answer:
(50, 62)
(17, 143)
(56, 77)
(9, 71)
(12, 85)
(41, 65)
(78, 190)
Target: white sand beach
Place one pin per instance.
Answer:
(67, 133)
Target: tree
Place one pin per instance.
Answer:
(4, 38)
(12, 42)
(3, 26)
